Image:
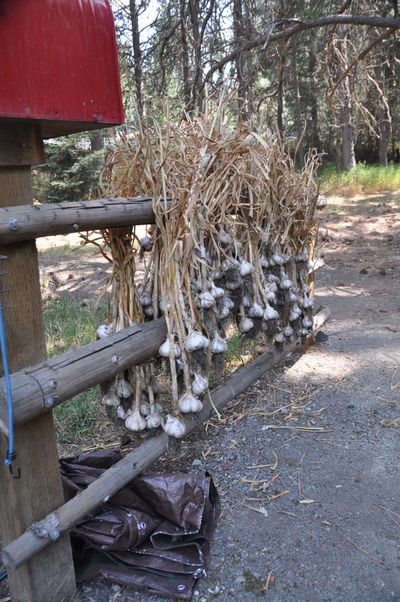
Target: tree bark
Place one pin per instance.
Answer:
(297, 109)
(382, 117)
(346, 132)
(185, 57)
(137, 55)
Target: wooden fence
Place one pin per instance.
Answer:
(34, 514)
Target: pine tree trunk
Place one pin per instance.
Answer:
(137, 55)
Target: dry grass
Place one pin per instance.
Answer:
(231, 242)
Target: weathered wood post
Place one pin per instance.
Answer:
(61, 77)
(50, 575)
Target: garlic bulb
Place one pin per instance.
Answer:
(270, 296)
(246, 324)
(189, 403)
(224, 237)
(232, 285)
(123, 388)
(256, 311)
(121, 413)
(103, 331)
(245, 268)
(149, 311)
(270, 313)
(153, 420)
(146, 243)
(278, 259)
(145, 299)
(288, 331)
(306, 289)
(229, 303)
(272, 278)
(135, 422)
(307, 322)
(279, 337)
(295, 313)
(286, 284)
(110, 399)
(246, 301)
(264, 263)
(292, 297)
(195, 341)
(200, 384)
(174, 427)
(307, 302)
(218, 345)
(224, 312)
(206, 300)
(165, 348)
(303, 332)
(216, 291)
(144, 408)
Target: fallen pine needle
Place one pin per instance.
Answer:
(360, 549)
(288, 513)
(308, 501)
(260, 510)
(269, 582)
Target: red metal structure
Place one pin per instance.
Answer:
(59, 65)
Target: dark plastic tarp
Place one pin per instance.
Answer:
(154, 534)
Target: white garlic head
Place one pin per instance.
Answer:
(144, 408)
(123, 388)
(218, 344)
(195, 341)
(246, 324)
(245, 268)
(103, 331)
(256, 311)
(165, 349)
(174, 427)
(216, 291)
(199, 384)
(135, 422)
(110, 399)
(270, 313)
(146, 243)
(206, 300)
(153, 420)
(189, 403)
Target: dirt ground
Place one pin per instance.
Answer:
(309, 481)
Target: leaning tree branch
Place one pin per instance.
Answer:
(359, 58)
(372, 21)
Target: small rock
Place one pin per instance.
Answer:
(382, 272)
(198, 464)
(241, 579)
(364, 271)
(116, 588)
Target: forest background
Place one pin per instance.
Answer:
(323, 74)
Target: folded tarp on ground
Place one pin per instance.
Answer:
(154, 534)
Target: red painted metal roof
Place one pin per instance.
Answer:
(59, 64)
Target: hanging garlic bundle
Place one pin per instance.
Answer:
(230, 247)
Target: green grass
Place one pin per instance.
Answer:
(363, 179)
(62, 251)
(69, 324)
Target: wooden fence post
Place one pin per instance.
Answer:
(49, 577)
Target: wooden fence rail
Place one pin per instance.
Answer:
(38, 388)
(41, 534)
(25, 222)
